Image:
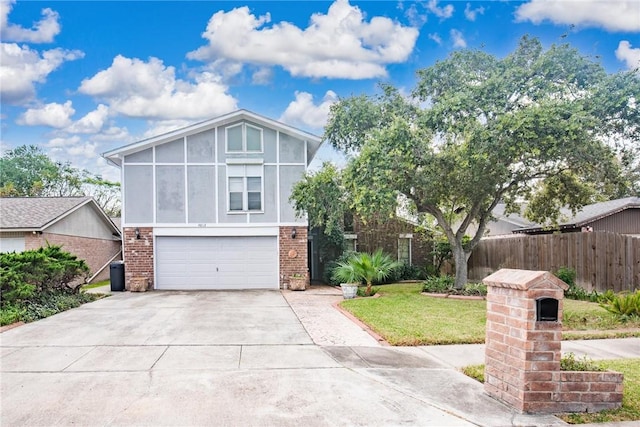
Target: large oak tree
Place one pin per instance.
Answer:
(537, 125)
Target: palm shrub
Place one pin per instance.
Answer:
(622, 305)
(363, 267)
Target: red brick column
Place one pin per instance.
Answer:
(293, 253)
(138, 254)
(522, 359)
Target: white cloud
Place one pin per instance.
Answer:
(435, 37)
(136, 88)
(92, 122)
(302, 112)
(54, 115)
(21, 68)
(472, 14)
(416, 18)
(458, 38)
(441, 12)
(42, 31)
(628, 55)
(63, 142)
(340, 44)
(262, 77)
(619, 15)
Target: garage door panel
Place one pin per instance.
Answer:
(216, 262)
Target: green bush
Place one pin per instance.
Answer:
(439, 284)
(623, 305)
(24, 275)
(570, 362)
(329, 268)
(568, 276)
(406, 272)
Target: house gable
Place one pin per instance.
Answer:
(236, 170)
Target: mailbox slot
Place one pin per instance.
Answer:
(547, 310)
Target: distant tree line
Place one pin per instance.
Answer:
(27, 171)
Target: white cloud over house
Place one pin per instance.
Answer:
(629, 55)
(42, 31)
(472, 13)
(443, 12)
(21, 68)
(53, 115)
(457, 38)
(618, 15)
(135, 88)
(339, 44)
(302, 112)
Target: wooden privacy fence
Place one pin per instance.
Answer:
(602, 260)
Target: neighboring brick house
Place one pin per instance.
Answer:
(77, 224)
(399, 237)
(207, 206)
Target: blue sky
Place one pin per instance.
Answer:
(79, 78)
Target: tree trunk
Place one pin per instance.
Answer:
(460, 259)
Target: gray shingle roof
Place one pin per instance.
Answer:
(591, 213)
(35, 212)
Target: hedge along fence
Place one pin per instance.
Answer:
(602, 260)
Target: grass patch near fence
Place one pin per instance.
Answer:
(403, 316)
(630, 410)
(96, 285)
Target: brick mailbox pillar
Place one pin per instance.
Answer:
(523, 349)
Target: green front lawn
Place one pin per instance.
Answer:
(403, 316)
(96, 285)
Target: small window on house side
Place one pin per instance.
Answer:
(244, 138)
(351, 242)
(236, 190)
(254, 193)
(234, 138)
(254, 139)
(404, 250)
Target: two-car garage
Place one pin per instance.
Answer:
(216, 262)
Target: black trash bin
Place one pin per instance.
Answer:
(116, 271)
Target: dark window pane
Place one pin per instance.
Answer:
(235, 201)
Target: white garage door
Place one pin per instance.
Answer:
(216, 262)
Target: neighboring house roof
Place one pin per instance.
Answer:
(512, 218)
(314, 141)
(589, 214)
(39, 213)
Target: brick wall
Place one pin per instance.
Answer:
(522, 359)
(384, 233)
(293, 254)
(95, 252)
(138, 254)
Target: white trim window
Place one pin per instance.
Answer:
(245, 188)
(244, 138)
(404, 249)
(350, 242)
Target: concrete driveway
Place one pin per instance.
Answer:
(222, 358)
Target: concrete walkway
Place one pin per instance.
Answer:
(247, 358)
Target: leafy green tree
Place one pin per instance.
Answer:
(321, 196)
(479, 130)
(27, 171)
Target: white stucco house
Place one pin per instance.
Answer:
(207, 206)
